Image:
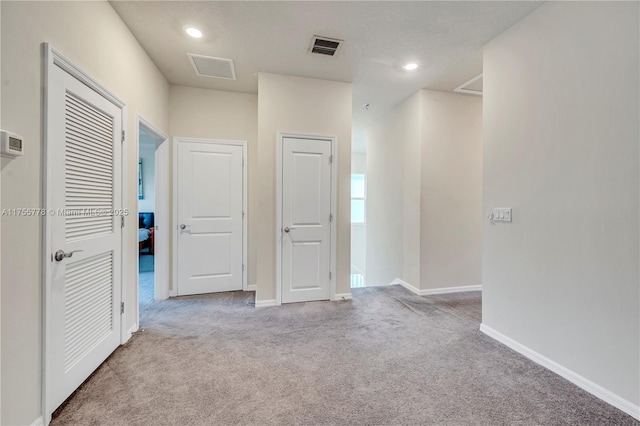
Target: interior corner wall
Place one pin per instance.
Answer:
(216, 114)
(305, 106)
(91, 35)
(561, 132)
(451, 191)
(392, 176)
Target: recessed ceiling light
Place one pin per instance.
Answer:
(410, 66)
(193, 32)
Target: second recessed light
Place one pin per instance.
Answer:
(193, 32)
(410, 66)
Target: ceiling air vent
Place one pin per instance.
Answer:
(208, 66)
(324, 45)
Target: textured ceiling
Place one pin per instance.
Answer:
(446, 38)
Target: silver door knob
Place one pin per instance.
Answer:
(183, 226)
(286, 229)
(60, 254)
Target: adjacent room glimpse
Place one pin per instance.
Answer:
(146, 220)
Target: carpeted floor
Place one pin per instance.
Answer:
(145, 268)
(386, 357)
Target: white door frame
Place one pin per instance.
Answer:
(52, 59)
(334, 204)
(161, 275)
(245, 220)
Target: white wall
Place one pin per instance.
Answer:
(424, 162)
(147, 153)
(411, 167)
(391, 140)
(358, 230)
(215, 114)
(92, 36)
(306, 106)
(561, 108)
(451, 192)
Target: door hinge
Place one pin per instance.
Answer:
(121, 308)
(329, 275)
(330, 218)
(121, 221)
(122, 138)
(243, 162)
(330, 159)
(243, 215)
(243, 268)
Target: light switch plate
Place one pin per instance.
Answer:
(502, 214)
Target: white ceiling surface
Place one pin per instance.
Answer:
(446, 38)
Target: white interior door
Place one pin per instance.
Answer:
(210, 217)
(306, 224)
(83, 189)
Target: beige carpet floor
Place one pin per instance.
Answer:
(387, 357)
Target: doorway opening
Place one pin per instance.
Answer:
(153, 208)
(146, 216)
(358, 208)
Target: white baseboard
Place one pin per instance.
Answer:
(406, 285)
(266, 303)
(575, 378)
(342, 296)
(431, 291)
(446, 290)
(252, 287)
(133, 329)
(38, 422)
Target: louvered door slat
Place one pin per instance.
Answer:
(96, 165)
(85, 151)
(89, 169)
(77, 124)
(81, 311)
(82, 171)
(88, 314)
(83, 109)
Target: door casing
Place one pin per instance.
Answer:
(334, 204)
(177, 140)
(53, 58)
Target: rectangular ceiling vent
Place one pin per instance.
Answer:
(324, 45)
(208, 66)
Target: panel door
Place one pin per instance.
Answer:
(210, 217)
(306, 226)
(85, 143)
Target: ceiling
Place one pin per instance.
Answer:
(445, 38)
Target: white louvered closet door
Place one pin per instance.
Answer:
(85, 288)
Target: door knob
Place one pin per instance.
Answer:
(183, 226)
(286, 229)
(60, 254)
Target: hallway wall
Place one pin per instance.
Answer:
(307, 106)
(91, 35)
(561, 134)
